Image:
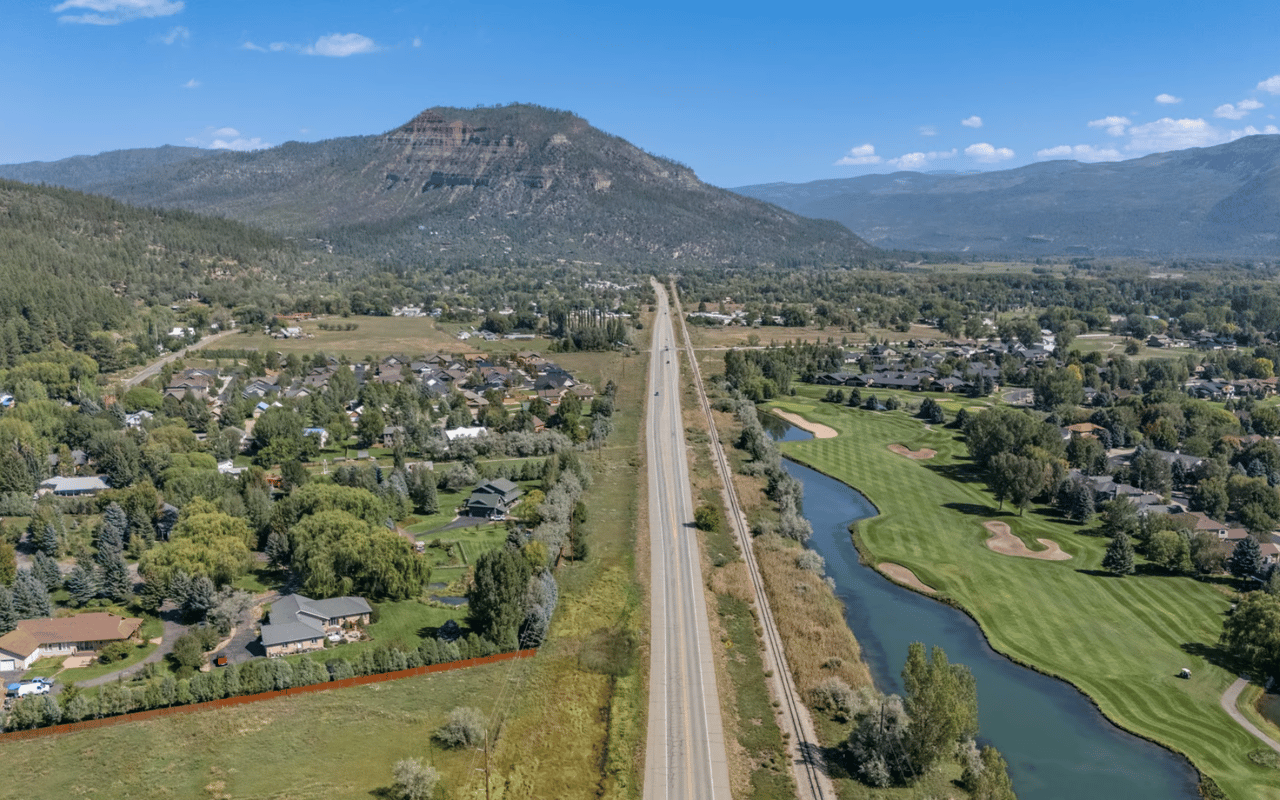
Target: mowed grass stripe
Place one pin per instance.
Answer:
(1121, 640)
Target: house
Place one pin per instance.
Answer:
(137, 418)
(38, 638)
(72, 487)
(493, 499)
(299, 624)
(389, 434)
(473, 432)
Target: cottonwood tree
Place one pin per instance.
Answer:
(986, 776)
(1252, 634)
(942, 702)
(465, 727)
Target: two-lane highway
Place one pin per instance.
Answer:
(685, 752)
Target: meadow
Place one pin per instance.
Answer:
(1120, 640)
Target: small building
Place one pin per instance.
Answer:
(493, 499)
(72, 487)
(38, 638)
(299, 624)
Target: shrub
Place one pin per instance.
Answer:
(116, 651)
(834, 696)
(465, 728)
(810, 561)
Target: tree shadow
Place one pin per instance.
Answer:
(385, 793)
(973, 509)
(1099, 573)
(960, 473)
(839, 764)
(1212, 653)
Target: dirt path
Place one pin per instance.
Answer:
(923, 454)
(906, 577)
(1004, 542)
(1229, 700)
(818, 430)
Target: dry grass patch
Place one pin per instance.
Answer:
(810, 619)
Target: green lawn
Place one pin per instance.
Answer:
(1122, 641)
(151, 628)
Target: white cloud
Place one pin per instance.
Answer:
(972, 122)
(1167, 99)
(255, 47)
(928, 130)
(191, 84)
(987, 154)
(113, 12)
(1238, 111)
(340, 45)
(862, 154)
(1271, 84)
(1174, 134)
(914, 161)
(417, 41)
(1080, 152)
(1249, 130)
(1114, 125)
(176, 34)
(227, 139)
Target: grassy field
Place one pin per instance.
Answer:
(327, 745)
(1122, 641)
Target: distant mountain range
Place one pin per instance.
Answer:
(1210, 201)
(455, 185)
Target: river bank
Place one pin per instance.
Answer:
(1110, 637)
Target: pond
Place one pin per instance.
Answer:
(1056, 742)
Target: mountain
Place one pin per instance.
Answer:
(513, 182)
(85, 172)
(1209, 201)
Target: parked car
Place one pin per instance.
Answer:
(45, 681)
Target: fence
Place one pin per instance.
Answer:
(192, 708)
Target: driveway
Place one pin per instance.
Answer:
(244, 644)
(172, 630)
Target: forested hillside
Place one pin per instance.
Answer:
(83, 270)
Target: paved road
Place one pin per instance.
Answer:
(172, 630)
(153, 368)
(685, 756)
(1229, 699)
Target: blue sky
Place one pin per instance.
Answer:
(742, 92)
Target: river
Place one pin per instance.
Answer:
(1059, 747)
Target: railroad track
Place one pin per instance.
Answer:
(803, 748)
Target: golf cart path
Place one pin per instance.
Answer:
(1229, 698)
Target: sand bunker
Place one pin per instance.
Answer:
(1004, 542)
(922, 454)
(818, 430)
(904, 576)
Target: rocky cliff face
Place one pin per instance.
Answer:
(509, 182)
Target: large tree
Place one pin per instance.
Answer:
(495, 599)
(942, 702)
(1252, 634)
(1246, 558)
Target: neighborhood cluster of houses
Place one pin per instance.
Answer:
(917, 366)
(1105, 488)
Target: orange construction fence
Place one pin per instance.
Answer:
(191, 708)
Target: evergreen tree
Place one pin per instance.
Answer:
(165, 521)
(112, 533)
(199, 599)
(422, 490)
(113, 577)
(46, 569)
(8, 617)
(48, 541)
(1119, 557)
(278, 549)
(152, 595)
(81, 584)
(495, 607)
(8, 563)
(1246, 558)
(30, 598)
